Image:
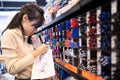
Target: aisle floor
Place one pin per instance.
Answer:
(10, 77)
(6, 77)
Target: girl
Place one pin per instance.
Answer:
(16, 46)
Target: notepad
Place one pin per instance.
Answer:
(43, 66)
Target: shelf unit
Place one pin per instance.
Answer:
(82, 7)
(73, 73)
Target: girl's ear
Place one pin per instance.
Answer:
(25, 18)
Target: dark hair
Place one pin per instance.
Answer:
(33, 11)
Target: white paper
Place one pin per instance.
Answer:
(43, 66)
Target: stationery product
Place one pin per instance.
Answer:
(43, 66)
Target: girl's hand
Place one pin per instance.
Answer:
(40, 50)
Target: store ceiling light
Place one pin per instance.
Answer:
(6, 5)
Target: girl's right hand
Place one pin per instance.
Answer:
(40, 50)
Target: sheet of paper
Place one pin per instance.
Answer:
(43, 66)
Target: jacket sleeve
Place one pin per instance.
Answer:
(13, 63)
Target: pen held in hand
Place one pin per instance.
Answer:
(40, 39)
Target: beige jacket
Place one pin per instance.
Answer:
(18, 55)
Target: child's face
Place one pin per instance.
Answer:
(29, 26)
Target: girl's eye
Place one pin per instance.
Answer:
(34, 25)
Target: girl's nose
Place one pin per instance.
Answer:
(35, 30)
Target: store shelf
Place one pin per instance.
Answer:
(87, 5)
(91, 76)
(96, 3)
(81, 7)
(70, 13)
(70, 72)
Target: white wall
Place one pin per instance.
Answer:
(5, 18)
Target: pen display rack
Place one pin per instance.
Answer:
(86, 44)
